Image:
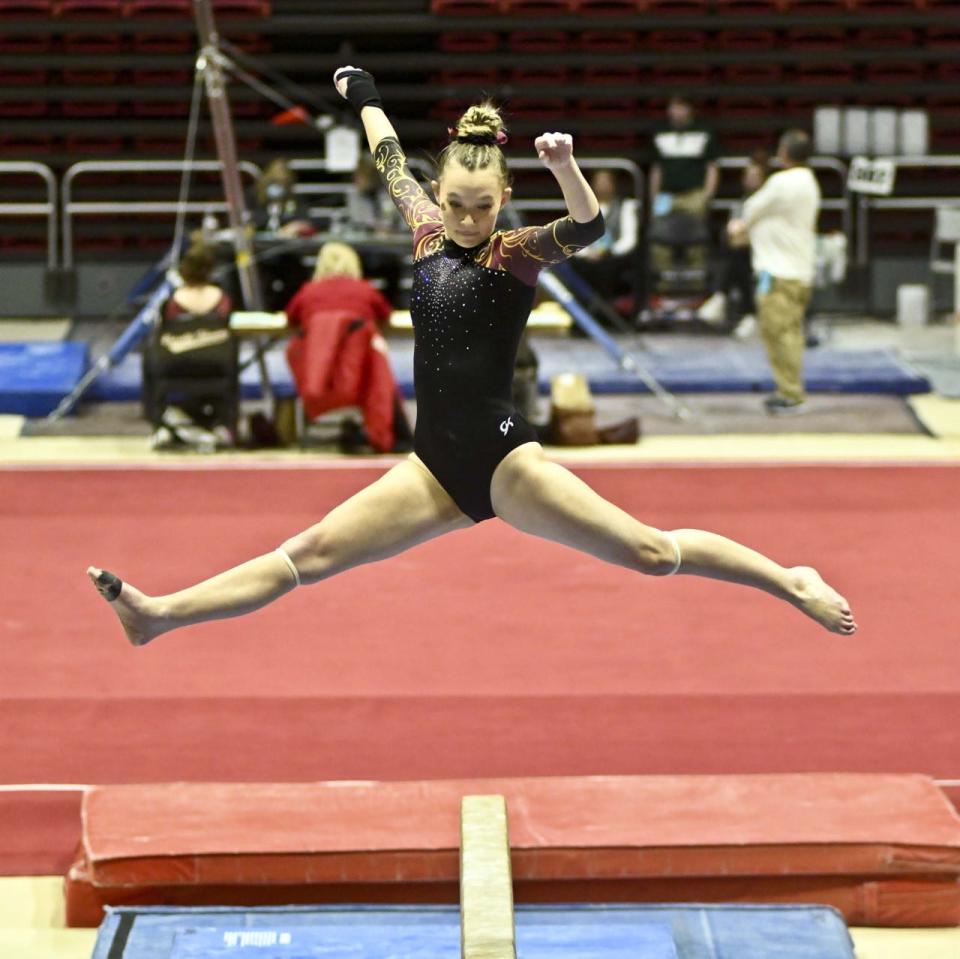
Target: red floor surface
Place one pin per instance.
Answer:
(485, 653)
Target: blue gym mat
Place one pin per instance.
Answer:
(433, 932)
(34, 377)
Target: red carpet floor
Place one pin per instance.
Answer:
(486, 653)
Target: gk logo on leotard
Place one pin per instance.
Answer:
(506, 424)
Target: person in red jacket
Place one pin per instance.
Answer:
(338, 284)
(338, 357)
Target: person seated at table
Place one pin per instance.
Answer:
(190, 361)
(369, 209)
(339, 357)
(275, 207)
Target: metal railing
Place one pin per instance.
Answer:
(71, 208)
(48, 209)
(867, 203)
(842, 203)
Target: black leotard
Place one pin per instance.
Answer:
(469, 308)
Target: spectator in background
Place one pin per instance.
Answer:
(372, 215)
(608, 265)
(338, 284)
(370, 210)
(192, 344)
(733, 302)
(684, 172)
(341, 359)
(274, 206)
(780, 221)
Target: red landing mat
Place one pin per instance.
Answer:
(485, 653)
(885, 850)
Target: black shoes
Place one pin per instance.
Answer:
(780, 406)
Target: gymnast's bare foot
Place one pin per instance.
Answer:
(130, 605)
(811, 595)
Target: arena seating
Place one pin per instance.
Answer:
(605, 62)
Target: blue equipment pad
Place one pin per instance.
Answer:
(35, 377)
(433, 932)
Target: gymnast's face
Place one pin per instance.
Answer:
(469, 202)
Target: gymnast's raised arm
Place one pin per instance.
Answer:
(418, 210)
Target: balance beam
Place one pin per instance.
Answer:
(486, 884)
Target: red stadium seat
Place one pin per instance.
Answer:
(816, 38)
(682, 73)
(868, 7)
(608, 144)
(75, 9)
(241, 8)
(942, 6)
(97, 145)
(752, 72)
(538, 41)
(28, 145)
(164, 108)
(465, 77)
(19, 9)
(747, 8)
(949, 72)
(479, 42)
(24, 43)
(162, 42)
(944, 38)
(537, 107)
(591, 8)
(748, 40)
(163, 146)
(87, 43)
(161, 78)
(23, 78)
(466, 8)
(535, 7)
(610, 76)
(90, 78)
(747, 107)
(657, 106)
(677, 41)
(157, 9)
(92, 108)
(885, 38)
(678, 8)
(251, 43)
(23, 108)
(608, 41)
(893, 72)
(824, 8)
(746, 142)
(947, 105)
(607, 107)
(545, 76)
(829, 72)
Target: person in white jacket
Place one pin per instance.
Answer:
(780, 220)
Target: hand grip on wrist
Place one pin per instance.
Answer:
(361, 89)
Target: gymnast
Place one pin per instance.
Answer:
(475, 456)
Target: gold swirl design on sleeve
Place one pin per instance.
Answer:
(538, 243)
(416, 208)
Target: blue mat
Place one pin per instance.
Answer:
(34, 377)
(433, 932)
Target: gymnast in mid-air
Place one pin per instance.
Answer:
(475, 455)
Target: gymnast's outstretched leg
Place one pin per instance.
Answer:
(404, 507)
(542, 498)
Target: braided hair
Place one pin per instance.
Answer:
(475, 142)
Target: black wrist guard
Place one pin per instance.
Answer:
(361, 90)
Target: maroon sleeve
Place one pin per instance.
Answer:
(526, 251)
(419, 212)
